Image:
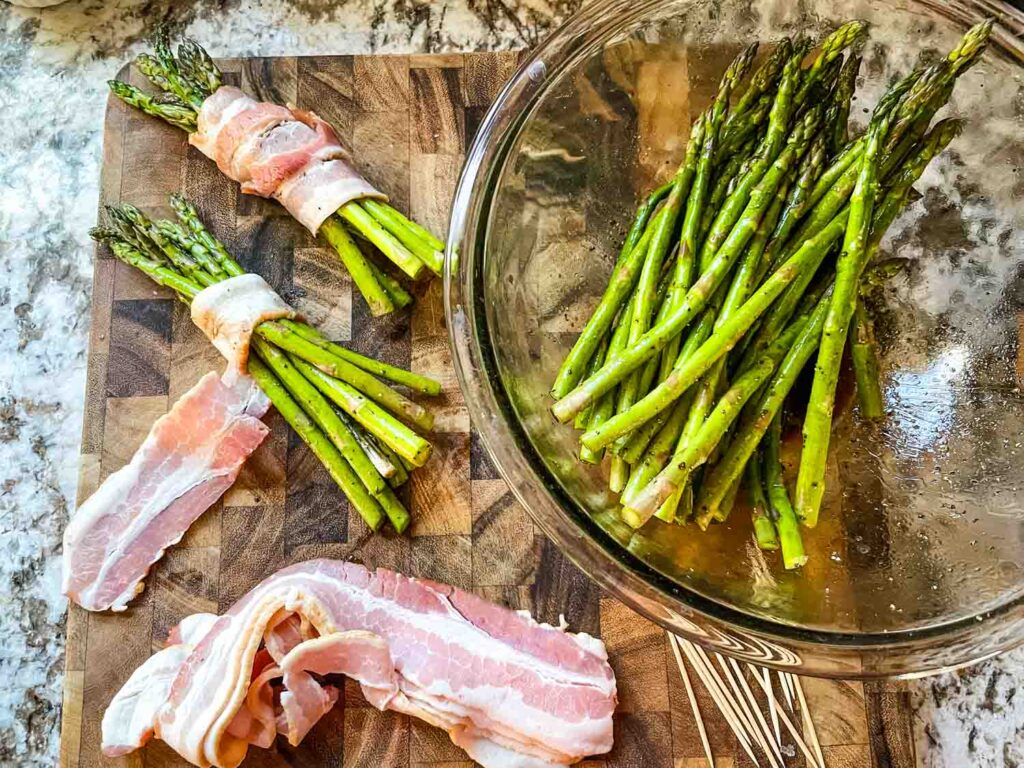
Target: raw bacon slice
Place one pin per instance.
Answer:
(264, 163)
(129, 720)
(280, 152)
(228, 312)
(190, 457)
(511, 691)
(320, 189)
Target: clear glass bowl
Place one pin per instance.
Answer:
(918, 562)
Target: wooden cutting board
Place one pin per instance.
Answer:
(409, 120)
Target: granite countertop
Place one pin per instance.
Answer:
(53, 65)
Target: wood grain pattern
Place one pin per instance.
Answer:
(408, 119)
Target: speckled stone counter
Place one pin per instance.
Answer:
(53, 64)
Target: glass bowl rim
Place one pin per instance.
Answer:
(625, 576)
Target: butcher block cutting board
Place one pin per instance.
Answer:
(409, 120)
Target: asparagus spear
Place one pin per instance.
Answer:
(366, 505)
(729, 468)
(174, 111)
(583, 417)
(758, 229)
(619, 286)
(367, 226)
(760, 512)
(864, 355)
(364, 277)
(848, 35)
(797, 203)
(697, 451)
(771, 146)
(281, 335)
(809, 488)
(667, 436)
(762, 82)
(708, 131)
(603, 408)
(839, 111)
(367, 414)
(790, 541)
(735, 324)
(413, 381)
(323, 415)
(810, 485)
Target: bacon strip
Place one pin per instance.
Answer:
(510, 691)
(280, 152)
(190, 457)
(228, 312)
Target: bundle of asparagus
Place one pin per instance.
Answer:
(748, 262)
(359, 427)
(187, 80)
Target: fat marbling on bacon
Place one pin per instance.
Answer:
(191, 456)
(280, 152)
(511, 692)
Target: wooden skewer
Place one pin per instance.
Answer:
(674, 642)
(811, 758)
(717, 690)
(709, 678)
(740, 706)
(772, 704)
(786, 692)
(745, 704)
(809, 729)
(756, 707)
(744, 731)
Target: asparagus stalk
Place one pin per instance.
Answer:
(762, 83)
(864, 355)
(340, 471)
(396, 292)
(281, 335)
(323, 415)
(768, 222)
(422, 243)
(729, 468)
(603, 408)
(358, 266)
(698, 450)
(413, 381)
(650, 274)
(663, 447)
(189, 216)
(171, 110)
(842, 97)
(619, 286)
(384, 461)
(810, 485)
(729, 332)
(367, 226)
(790, 541)
(775, 139)
(372, 418)
(760, 512)
(848, 35)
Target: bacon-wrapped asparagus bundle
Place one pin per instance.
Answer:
(292, 156)
(363, 430)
